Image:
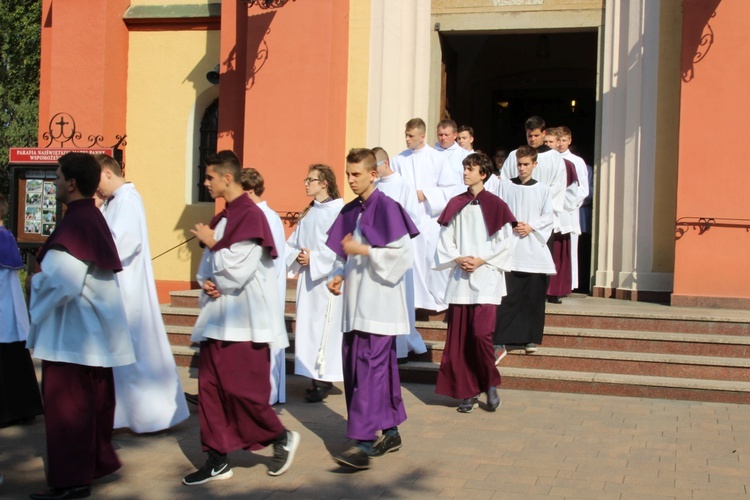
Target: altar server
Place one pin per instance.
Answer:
(79, 330)
(371, 237)
(148, 393)
(317, 340)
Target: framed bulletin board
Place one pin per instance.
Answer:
(34, 208)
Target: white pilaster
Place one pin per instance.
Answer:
(399, 70)
(629, 79)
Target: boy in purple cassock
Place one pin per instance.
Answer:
(371, 238)
(476, 244)
(19, 391)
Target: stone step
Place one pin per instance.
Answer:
(632, 363)
(674, 353)
(731, 346)
(601, 383)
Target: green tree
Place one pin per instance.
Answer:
(20, 54)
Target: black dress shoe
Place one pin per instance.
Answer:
(386, 443)
(316, 395)
(554, 299)
(354, 457)
(191, 398)
(493, 399)
(63, 493)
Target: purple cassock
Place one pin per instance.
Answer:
(370, 365)
(383, 221)
(79, 401)
(561, 284)
(468, 367)
(19, 390)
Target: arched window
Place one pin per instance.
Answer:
(209, 134)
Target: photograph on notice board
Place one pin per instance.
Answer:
(34, 198)
(50, 189)
(33, 213)
(47, 229)
(33, 227)
(34, 185)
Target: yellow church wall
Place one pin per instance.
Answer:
(167, 95)
(357, 82)
(667, 136)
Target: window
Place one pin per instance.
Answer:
(209, 134)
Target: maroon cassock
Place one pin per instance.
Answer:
(234, 391)
(561, 284)
(79, 401)
(233, 380)
(468, 363)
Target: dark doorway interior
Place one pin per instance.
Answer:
(493, 82)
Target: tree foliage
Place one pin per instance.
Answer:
(20, 55)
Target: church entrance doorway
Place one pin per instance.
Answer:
(494, 81)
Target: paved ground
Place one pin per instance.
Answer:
(536, 445)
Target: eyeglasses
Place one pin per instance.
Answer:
(310, 180)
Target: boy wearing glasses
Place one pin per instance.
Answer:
(317, 342)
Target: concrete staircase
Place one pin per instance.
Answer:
(594, 346)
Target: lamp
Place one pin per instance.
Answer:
(213, 75)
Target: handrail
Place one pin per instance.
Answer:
(289, 217)
(703, 224)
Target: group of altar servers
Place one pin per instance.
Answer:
(432, 228)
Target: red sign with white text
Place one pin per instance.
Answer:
(30, 156)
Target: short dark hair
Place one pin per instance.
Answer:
(106, 161)
(535, 122)
(364, 156)
(448, 123)
(526, 152)
(466, 128)
(226, 162)
(482, 161)
(252, 181)
(417, 123)
(3, 206)
(84, 168)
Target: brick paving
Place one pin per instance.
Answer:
(537, 445)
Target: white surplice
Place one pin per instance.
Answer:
(426, 170)
(77, 314)
(313, 297)
(466, 235)
(395, 187)
(278, 356)
(14, 317)
(248, 308)
(374, 288)
(531, 204)
(583, 186)
(549, 171)
(454, 156)
(148, 393)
